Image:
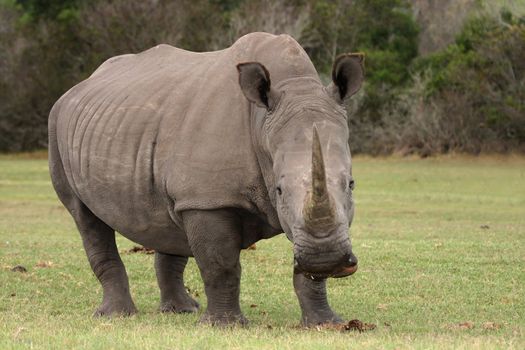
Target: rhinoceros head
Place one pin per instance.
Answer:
(305, 138)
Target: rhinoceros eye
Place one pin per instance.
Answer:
(351, 185)
(279, 190)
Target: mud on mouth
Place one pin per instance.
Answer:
(343, 272)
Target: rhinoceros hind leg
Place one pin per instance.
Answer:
(101, 249)
(215, 240)
(313, 301)
(97, 237)
(173, 294)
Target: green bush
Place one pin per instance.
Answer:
(49, 46)
(384, 29)
(485, 70)
(469, 97)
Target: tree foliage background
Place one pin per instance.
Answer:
(431, 87)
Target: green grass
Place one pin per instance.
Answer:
(426, 266)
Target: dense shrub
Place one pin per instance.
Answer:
(486, 71)
(39, 59)
(54, 44)
(478, 85)
(467, 97)
(49, 46)
(383, 29)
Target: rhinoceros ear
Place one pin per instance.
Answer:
(347, 76)
(255, 83)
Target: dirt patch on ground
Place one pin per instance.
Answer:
(19, 268)
(356, 325)
(470, 325)
(491, 325)
(353, 325)
(460, 326)
(44, 264)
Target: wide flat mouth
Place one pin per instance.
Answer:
(339, 273)
(345, 271)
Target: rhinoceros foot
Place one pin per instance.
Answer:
(323, 320)
(224, 320)
(112, 309)
(181, 305)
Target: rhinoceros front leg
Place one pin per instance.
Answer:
(313, 301)
(215, 240)
(173, 294)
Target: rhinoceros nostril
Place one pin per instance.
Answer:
(348, 268)
(352, 260)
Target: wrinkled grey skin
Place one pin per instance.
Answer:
(203, 154)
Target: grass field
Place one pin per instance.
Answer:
(441, 245)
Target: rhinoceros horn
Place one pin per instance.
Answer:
(318, 209)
